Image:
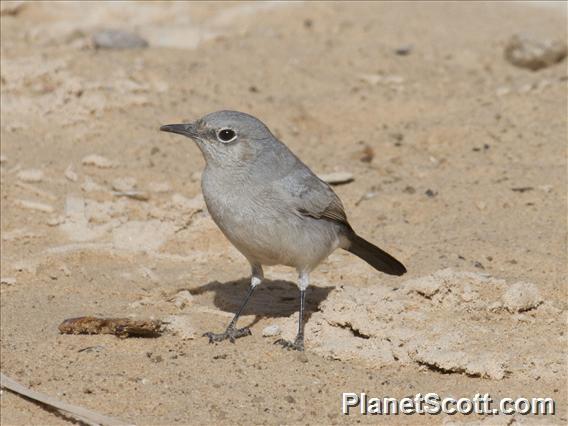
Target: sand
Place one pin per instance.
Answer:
(458, 166)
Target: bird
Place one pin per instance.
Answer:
(271, 207)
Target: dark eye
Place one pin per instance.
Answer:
(226, 135)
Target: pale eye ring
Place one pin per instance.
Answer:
(226, 135)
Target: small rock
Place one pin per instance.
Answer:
(430, 193)
(521, 297)
(3, 159)
(98, 161)
(70, 173)
(271, 330)
(525, 52)
(8, 280)
(409, 190)
(30, 175)
(182, 299)
(124, 184)
(337, 178)
(114, 39)
(403, 50)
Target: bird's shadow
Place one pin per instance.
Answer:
(273, 298)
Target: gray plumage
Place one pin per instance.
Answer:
(270, 205)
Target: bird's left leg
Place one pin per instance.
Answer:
(298, 344)
(232, 332)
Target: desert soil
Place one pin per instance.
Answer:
(459, 166)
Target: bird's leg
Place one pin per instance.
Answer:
(298, 343)
(232, 332)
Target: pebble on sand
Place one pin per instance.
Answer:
(526, 52)
(337, 178)
(521, 297)
(98, 161)
(30, 175)
(114, 39)
(271, 330)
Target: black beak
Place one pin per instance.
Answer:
(188, 130)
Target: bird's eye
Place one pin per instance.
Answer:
(226, 135)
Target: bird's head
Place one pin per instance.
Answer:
(227, 138)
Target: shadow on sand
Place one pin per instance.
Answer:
(273, 298)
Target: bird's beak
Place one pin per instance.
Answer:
(188, 130)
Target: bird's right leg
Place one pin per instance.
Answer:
(232, 332)
(298, 343)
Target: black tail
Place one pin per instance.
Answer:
(374, 256)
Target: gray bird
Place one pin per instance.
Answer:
(271, 206)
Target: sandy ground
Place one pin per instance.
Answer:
(466, 185)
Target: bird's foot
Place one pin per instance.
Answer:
(296, 345)
(230, 333)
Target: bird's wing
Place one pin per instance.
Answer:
(309, 196)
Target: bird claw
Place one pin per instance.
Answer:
(230, 333)
(297, 345)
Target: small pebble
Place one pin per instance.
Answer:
(403, 50)
(98, 161)
(271, 330)
(430, 193)
(521, 296)
(526, 52)
(337, 178)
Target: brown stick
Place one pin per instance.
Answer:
(121, 327)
